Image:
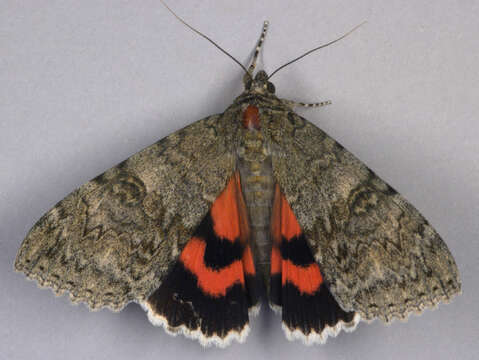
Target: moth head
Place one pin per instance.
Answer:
(259, 84)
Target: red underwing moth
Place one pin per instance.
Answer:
(253, 200)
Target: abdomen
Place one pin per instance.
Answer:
(254, 165)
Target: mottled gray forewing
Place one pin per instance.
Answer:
(379, 255)
(112, 240)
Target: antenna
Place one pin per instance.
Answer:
(319, 47)
(206, 37)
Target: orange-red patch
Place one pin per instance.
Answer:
(224, 213)
(283, 221)
(289, 225)
(248, 262)
(251, 118)
(212, 282)
(229, 212)
(307, 279)
(275, 261)
(284, 225)
(230, 222)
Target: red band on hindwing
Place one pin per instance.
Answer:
(291, 257)
(275, 261)
(297, 286)
(212, 285)
(307, 279)
(210, 281)
(248, 262)
(225, 212)
(229, 222)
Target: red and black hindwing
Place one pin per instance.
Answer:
(213, 285)
(298, 289)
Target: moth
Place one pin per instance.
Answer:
(255, 200)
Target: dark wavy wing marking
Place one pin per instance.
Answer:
(378, 254)
(111, 240)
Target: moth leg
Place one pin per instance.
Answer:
(294, 104)
(258, 48)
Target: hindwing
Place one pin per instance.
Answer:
(378, 254)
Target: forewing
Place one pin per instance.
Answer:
(112, 240)
(378, 254)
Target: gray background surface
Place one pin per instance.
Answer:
(85, 84)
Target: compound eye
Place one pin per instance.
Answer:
(270, 87)
(248, 84)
